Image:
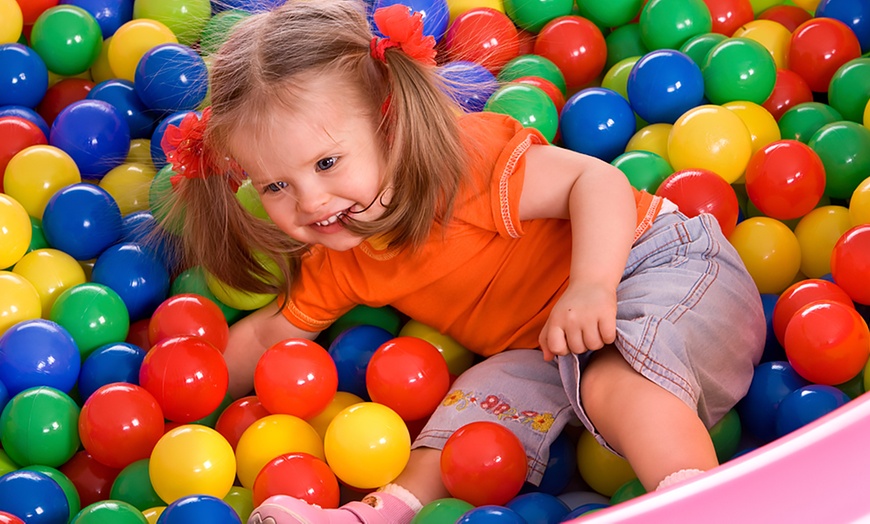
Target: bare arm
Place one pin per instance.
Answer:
(250, 338)
(597, 198)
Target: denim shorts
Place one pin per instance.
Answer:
(689, 318)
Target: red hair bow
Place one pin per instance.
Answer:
(403, 29)
(185, 150)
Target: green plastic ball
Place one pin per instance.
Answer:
(532, 15)
(803, 120)
(645, 170)
(185, 18)
(612, 13)
(94, 315)
(109, 512)
(630, 490)
(192, 280)
(844, 148)
(217, 30)
(442, 510)
(624, 42)
(533, 65)
(699, 46)
(738, 69)
(37, 238)
(67, 38)
(849, 89)
(528, 104)
(40, 426)
(133, 486)
(726, 436)
(241, 500)
(667, 24)
(69, 489)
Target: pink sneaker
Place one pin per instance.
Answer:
(381, 507)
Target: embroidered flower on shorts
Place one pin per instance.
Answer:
(453, 398)
(543, 422)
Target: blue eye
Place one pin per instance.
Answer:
(325, 163)
(274, 187)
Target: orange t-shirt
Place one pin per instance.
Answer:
(490, 282)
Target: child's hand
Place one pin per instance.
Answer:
(583, 319)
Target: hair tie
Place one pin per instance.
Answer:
(402, 28)
(185, 150)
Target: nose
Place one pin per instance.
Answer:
(311, 197)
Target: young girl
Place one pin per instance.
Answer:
(588, 298)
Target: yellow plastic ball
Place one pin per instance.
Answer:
(817, 233)
(458, 358)
(616, 78)
(189, 460)
(341, 400)
(710, 137)
(51, 272)
(152, 514)
(772, 35)
(132, 40)
(809, 5)
(769, 250)
(457, 7)
(367, 445)
(859, 204)
(140, 152)
(762, 126)
(129, 185)
(16, 231)
(652, 138)
(601, 469)
(36, 173)
(11, 21)
(19, 300)
(6, 464)
(101, 70)
(238, 299)
(866, 118)
(270, 437)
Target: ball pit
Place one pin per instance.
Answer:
(86, 87)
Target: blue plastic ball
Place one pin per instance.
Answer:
(114, 362)
(109, 14)
(158, 157)
(351, 352)
(27, 114)
(561, 466)
(38, 353)
(81, 220)
(139, 227)
(171, 77)
(469, 84)
(4, 396)
(122, 95)
(33, 497)
(771, 382)
(806, 404)
(491, 514)
(773, 350)
(136, 274)
(539, 507)
(663, 85)
(199, 508)
(94, 133)
(436, 14)
(855, 14)
(583, 510)
(23, 76)
(598, 122)
(251, 6)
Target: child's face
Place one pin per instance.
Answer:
(315, 167)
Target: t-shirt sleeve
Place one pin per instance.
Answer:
(316, 299)
(496, 145)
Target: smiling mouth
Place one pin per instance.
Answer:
(333, 219)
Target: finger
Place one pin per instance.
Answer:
(556, 342)
(575, 342)
(607, 328)
(592, 338)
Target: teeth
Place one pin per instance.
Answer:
(331, 220)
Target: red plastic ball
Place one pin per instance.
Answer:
(818, 48)
(789, 90)
(16, 134)
(408, 375)
(238, 416)
(576, 46)
(785, 179)
(138, 334)
(188, 377)
(31, 9)
(850, 263)
(120, 423)
(729, 15)
(298, 475)
(189, 314)
(827, 342)
(296, 377)
(484, 36)
(698, 191)
(790, 16)
(483, 463)
(798, 295)
(62, 94)
(92, 479)
(548, 87)
(8, 518)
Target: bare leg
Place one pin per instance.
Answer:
(422, 475)
(652, 428)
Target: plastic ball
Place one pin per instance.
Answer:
(123, 96)
(93, 480)
(624, 42)
(469, 84)
(295, 377)
(726, 435)
(698, 46)
(93, 314)
(115, 511)
(238, 416)
(818, 48)
(271, 436)
(62, 94)
(602, 470)
(68, 39)
(483, 463)
(738, 69)
(192, 280)
(645, 170)
(82, 220)
(491, 513)
(27, 114)
(762, 127)
(652, 138)
(15, 231)
(527, 104)
(667, 24)
(241, 500)
(728, 15)
(136, 274)
(442, 510)
(186, 19)
(663, 85)
(856, 15)
(771, 382)
(790, 16)
(384, 317)
(367, 445)
(218, 28)
(827, 342)
(850, 263)
(114, 362)
(561, 466)
(32, 497)
(785, 179)
(533, 16)
(804, 405)
(19, 300)
(698, 191)
(38, 353)
(844, 148)
(770, 251)
(772, 35)
(849, 90)
(435, 13)
(800, 294)
(189, 460)
(94, 133)
(236, 298)
(12, 21)
(16, 134)
(298, 475)
(133, 485)
(458, 358)
(129, 184)
(69, 489)
(131, 41)
(533, 65)
(576, 46)
(109, 14)
(23, 76)
(351, 352)
(859, 204)
(36, 173)
(803, 120)
(189, 314)
(597, 122)
(171, 77)
(817, 233)
(788, 91)
(616, 78)
(539, 507)
(484, 36)
(710, 137)
(187, 375)
(197, 507)
(39, 426)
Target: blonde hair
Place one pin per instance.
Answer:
(259, 68)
